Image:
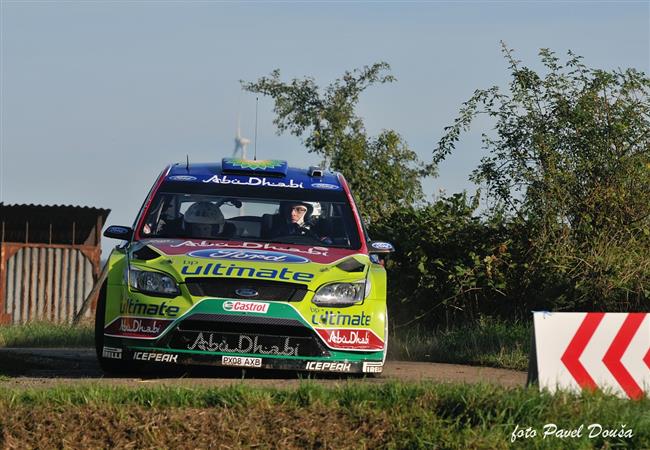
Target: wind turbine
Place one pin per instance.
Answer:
(240, 147)
(240, 143)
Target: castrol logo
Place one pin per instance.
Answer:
(237, 306)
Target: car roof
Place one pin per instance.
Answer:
(255, 173)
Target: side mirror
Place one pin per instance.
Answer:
(379, 251)
(380, 248)
(118, 232)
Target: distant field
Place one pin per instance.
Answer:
(351, 415)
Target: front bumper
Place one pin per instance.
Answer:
(214, 333)
(142, 355)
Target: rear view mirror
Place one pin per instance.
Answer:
(118, 232)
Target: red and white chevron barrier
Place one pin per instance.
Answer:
(609, 351)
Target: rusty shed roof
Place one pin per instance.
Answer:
(52, 224)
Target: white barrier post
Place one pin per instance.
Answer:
(608, 351)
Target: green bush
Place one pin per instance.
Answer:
(450, 265)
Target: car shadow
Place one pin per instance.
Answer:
(82, 363)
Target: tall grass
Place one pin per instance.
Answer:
(350, 415)
(46, 334)
(488, 342)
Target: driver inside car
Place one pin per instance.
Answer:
(298, 218)
(297, 215)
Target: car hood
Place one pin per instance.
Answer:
(311, 265)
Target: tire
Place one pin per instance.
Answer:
(110, 366)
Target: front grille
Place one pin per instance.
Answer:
(244, 324)
(228, 287)
(246, 334)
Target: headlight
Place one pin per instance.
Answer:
(155, 283)
(342, 294)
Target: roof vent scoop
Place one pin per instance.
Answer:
(316, 172)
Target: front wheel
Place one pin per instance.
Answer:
(108, 365)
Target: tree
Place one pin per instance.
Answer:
(382, 171)
(569, 158)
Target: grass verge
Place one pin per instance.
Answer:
(488, 342)
(45, 334)
(351, 415)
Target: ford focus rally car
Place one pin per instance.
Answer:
(245, 264)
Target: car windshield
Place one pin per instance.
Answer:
(243, 213)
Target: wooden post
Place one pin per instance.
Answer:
(98, 231)
(91, 295)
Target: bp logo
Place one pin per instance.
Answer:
(249, 255)
(256, 165)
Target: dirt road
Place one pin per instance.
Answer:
(29, 368)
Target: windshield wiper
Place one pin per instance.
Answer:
(297, 240)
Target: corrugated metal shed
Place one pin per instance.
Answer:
(49, 260)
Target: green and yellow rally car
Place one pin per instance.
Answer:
(245, 264)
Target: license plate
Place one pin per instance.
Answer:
(241, 361)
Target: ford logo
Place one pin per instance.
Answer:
(247, 292)
(324, 186)
(117, 229)
(382, 245)
(249, 255)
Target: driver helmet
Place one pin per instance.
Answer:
(314, 211)
(203, 220)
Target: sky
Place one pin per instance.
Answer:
(97, 97)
